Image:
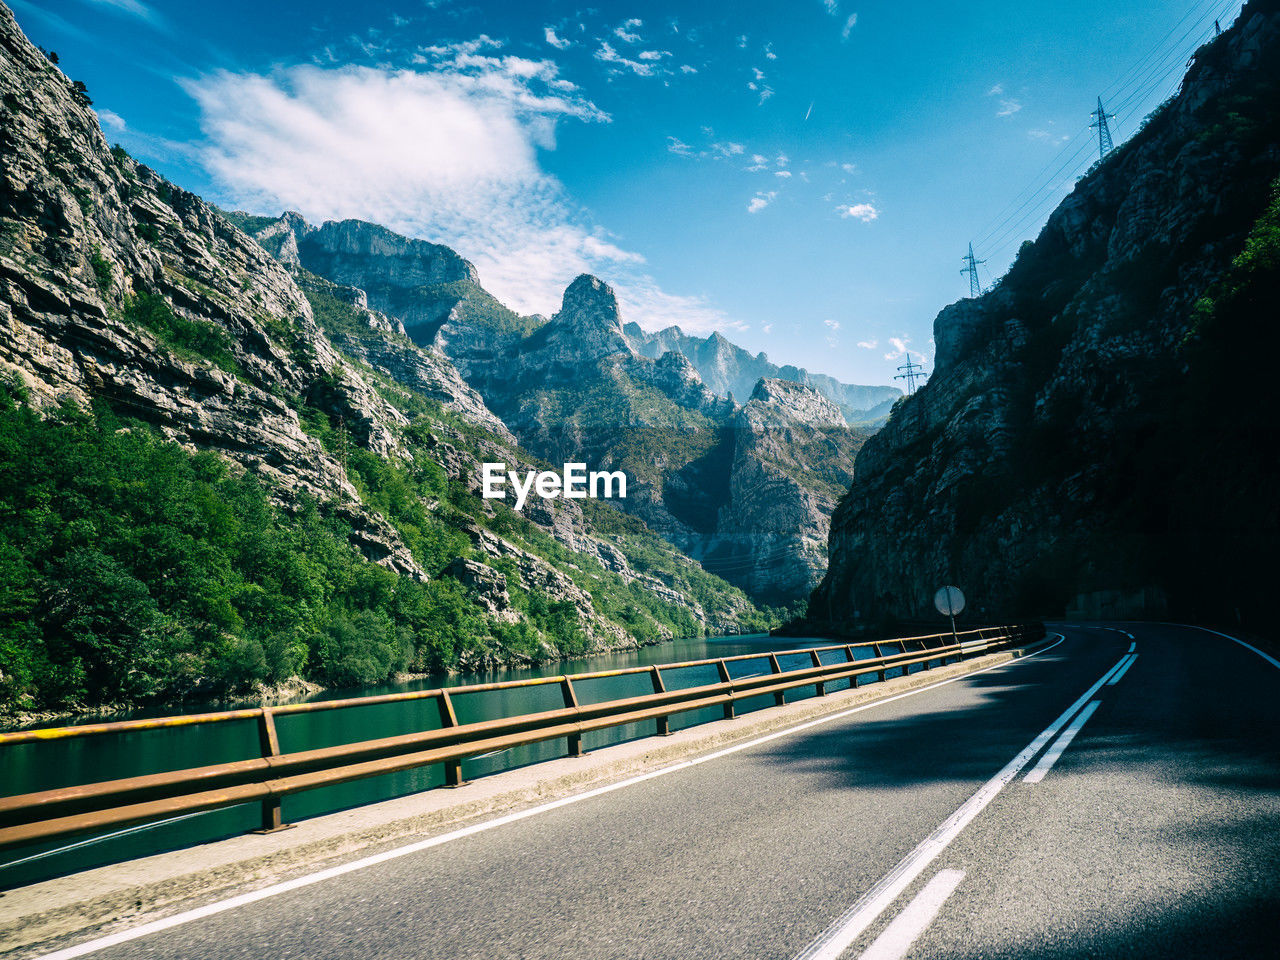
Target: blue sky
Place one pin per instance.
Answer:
(804, 177)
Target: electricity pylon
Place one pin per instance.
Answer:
(912, 374)
(1100, 118)
(971, 268)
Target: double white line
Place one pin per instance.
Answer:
(854, 922)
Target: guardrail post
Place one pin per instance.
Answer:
(270, 743)
(881, 675)
(821, 685)
(780, 697)
(452, 768)
(663, 722)
(571, 700)
(723, 668)
(849, 657)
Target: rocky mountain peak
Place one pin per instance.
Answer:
(797, 402)
(369, 252)
(590, 302)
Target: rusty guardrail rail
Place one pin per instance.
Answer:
(65, 811)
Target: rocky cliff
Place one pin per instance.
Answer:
(574, 388)
(131, 308)
(792, 456)
(727, 370)
(1088, 441)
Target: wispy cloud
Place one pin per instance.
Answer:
(560, 43)
(831, 324)
(607, 54)
(868, 344)
(850, 22)
(1047, 136)
(448, 152)
(134, 8)
(899, 345)
(761, 200)
(1008, 105)
(678, 146)
(626, 31)
(769, 52)
(112, 119)
(865, 212)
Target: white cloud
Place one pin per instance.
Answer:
(1008, 108)
(831, 324)
(833, 6)
(761, 200)
(859, 211)
(111, 119)
(868, 344)
(641, 300)
(685, 68)
(996, 91)
(676, 145)
(899, 345)
(449, 153)
(653, 54)
(607, 54)
(849, 167)
(784, 174)
(560, 43)
(767, 328)
(849, 24)
(768, 52)
(742, 42)
(728, 149)
(134, 8)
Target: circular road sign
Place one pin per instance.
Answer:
(949, 601)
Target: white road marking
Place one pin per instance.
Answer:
(907, 926)
(853, 922)
(1054, 752)
(244, 899)
(1133, 646)
(1267, 657)
(1123, 670)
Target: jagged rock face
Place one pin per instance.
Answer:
(795, 402)
(728, 370)
(1047, 463)
(574, 389)
(587, 328)
(83, 230)
(792, 455)
(369, 256)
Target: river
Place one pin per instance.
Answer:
(41, 766)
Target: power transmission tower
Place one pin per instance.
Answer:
(1100, 118)
(1217, 29)
(971, 268)
(913, 372)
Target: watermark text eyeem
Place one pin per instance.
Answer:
(574, 483)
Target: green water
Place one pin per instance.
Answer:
(41, 766)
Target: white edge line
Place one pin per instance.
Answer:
(244, 899)
(907, 926)
(853, 922)
(1064, 739)
(1265, 656)
(1123, 670)
(1133, 646)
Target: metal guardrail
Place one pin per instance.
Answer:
(66, 811)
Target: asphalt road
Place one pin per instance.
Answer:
(929, 826)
